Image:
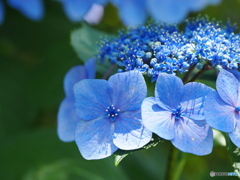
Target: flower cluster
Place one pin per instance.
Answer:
(158, 48)
(135, 12)
(103, 116)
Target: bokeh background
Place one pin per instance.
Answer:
(34, 57)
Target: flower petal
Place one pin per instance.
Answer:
(76, 9)
(193, 99)
(91, 98)
(157, 120)
(90, 67)
(94, 138)
(218, 113)
(127, 90)
(193, 137)
(1, 12)
(33, 9)
(170, 11)
(67, 120)
(132, 12)
(74, 75)
(168, 91)
(228, 87)
(235, 134)
(129, 132)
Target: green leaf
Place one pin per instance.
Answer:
(119, 158)
(85, 43)
(40, 155)
(234, 153)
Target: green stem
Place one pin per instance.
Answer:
(176, 163)
(186, 76)
(109, 71)
(204, 69)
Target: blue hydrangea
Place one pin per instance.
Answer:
(222, 108)
(213, 43)
(160, 48)
(176, 114)
(151, 49)
(135, 12)
(1, 12)
(33, 9)
(77, 9)
(110, 113)
(67, 116)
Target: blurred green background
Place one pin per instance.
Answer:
(34, 57)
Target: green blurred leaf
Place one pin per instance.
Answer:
(41, 156)
(119, 158)
(85, 43)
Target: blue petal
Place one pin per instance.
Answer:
(228, 87)
(74, 75)
(197, 5)
(91, 98)
(218, 113)
(193, 99)
(94, 138)
(129, 132)
(90, 67)
(168, 91)
(170, 11)
(67, 120)
(76, 9)
(157, 120)
(194, 137)
(127, 90)
(1, 12)
(32, 9)
(235, 134)
(132, 12)
(236, 73)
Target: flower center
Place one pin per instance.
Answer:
(237, 108)
(178, 113)
(112, 112)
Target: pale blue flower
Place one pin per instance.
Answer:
(222, 108)
(67, 116)
(1, 12)
(77, 9)
(110, 113)
(33, 9)
(176, 114)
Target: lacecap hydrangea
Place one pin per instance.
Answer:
(162, 48)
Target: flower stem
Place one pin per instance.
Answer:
(204, 69)
(186, 76)
(176, 163)
(109, 71)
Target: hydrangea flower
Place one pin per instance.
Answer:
(135, 12)
(1, 12)
(176, 114)
(160, 48)
(67, 116)
(76, 10)
(151, 49)
(33, 9)
(110, 113)
(222, 108)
